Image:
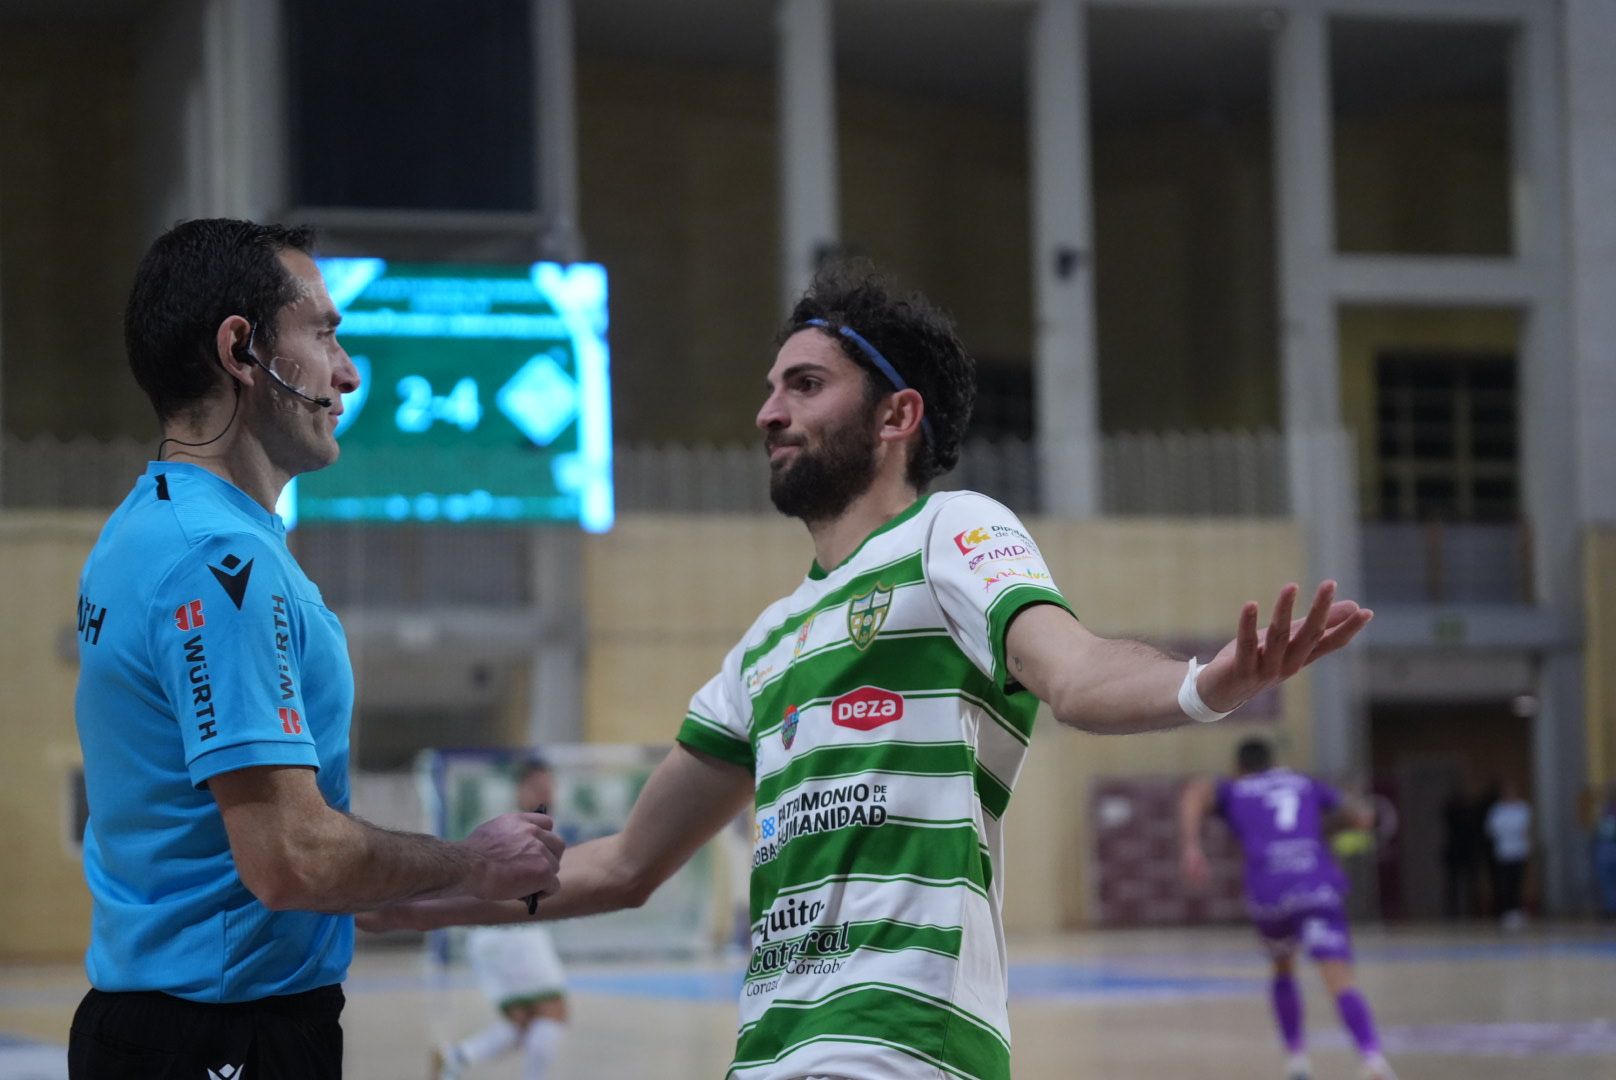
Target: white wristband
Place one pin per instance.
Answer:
(1189, 697)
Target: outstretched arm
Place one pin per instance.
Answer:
(689, 797)
(294, 851)
(1193, 806)
(1113, 686)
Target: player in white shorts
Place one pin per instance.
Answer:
(518, 971)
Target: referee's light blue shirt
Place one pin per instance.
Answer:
(203, 649)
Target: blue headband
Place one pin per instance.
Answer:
(882, 364)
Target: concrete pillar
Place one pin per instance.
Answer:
(1550, 464)
(211, 89)
(1319, 453)
(1589, 34)
(556, 669)
(1062, 198)
(555, 143)
(810, 209)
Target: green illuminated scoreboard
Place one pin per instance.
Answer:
(485, 396)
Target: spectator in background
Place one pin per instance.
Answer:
(1464, 842)
(1509, 825)
(1605, 853)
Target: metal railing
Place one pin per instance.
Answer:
(1446, 562)
(47, 473)
(1176, 474)
(1194, 474)
(1212, 473)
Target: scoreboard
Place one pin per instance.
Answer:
(484, 397)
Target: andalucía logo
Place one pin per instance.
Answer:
(802, 635)
(866, 613)
(788, 731)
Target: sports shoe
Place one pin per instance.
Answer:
(1297, 1067)
(1376, 1068)
(445, 1063)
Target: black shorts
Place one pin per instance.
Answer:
(146, 1035)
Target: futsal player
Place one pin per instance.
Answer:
(876, 718)
(1295, 892)
(520, 974)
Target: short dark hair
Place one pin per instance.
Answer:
(530, 765)
(916, 338)
(1254, 755)
(193, 277)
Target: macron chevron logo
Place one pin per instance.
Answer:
(234, 582)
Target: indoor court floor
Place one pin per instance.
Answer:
(1471, 1004)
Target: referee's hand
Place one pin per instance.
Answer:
(520, 855)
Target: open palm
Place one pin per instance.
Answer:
(1257, 659)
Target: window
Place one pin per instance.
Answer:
(1003, 401)
(411, 104)
(1447, 442)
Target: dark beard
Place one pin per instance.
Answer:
(817, 485)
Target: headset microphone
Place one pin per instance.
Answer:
(323, 402)
(245, 354)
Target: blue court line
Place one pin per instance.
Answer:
(1502, 950)
(1062, 981)
(1389, 953)
(1133, 977)
(714, 986)
(8, 1041)
(1066, 981)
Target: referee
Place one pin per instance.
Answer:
(215, 694)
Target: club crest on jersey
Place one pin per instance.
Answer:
(788, 730)
(867, 613)
(802, 635)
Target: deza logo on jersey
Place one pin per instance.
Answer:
(866, 708)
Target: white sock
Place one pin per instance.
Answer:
(540, 1046)
(494, 1041)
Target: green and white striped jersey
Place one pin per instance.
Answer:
(884, 738)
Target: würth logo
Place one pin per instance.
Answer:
(234, 581)
(189, 616)
(866, 708)
(91, 619)
(291, 723)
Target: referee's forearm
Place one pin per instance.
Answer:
(343, 864)
(593, 881)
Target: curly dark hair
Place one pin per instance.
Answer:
(193, 277)
(916, 338)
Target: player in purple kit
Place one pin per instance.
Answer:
(1294, 890)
